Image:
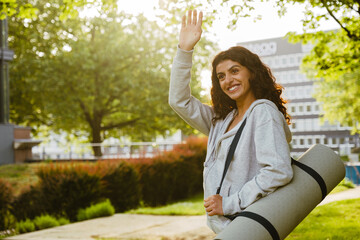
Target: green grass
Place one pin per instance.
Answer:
(191, 206)
(332, 221)
(20, 175)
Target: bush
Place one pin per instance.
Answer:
(121, 186)
(6, 197)
(63, 221)
(29, 204)
(165, 181)
(174, 175)
(45, 221)
(25, 226)
(95, 211)
(68, 188)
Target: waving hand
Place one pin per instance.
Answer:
(190, 32)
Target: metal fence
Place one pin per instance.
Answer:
(109, 151)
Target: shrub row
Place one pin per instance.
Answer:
(65, 188)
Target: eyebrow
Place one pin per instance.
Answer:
(233, 66)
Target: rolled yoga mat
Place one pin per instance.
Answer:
(316, 173)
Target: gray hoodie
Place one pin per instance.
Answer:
(261, 160)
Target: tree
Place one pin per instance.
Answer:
(102, 76)
(68, 8)
(334, 61)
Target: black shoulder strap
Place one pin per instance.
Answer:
(230, 154)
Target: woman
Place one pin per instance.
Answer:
(242, 88)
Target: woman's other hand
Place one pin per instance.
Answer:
(213, 205)
(190, 32)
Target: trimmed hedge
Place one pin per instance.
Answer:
(121, 186)
(175, 175)
(68, 188)
(65, 188)
(29, 204)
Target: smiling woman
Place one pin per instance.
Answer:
(243, 91)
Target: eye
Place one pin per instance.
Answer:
(221, 77)
(235, 70)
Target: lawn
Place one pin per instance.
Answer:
(191, 206)
(20, 175)
(332, 221)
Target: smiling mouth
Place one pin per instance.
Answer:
(233, 88)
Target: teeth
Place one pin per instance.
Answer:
(232, 88)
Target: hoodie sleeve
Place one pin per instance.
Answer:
(189, 108)
(273, 156)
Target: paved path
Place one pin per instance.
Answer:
(144, 227)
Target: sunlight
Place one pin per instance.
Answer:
(139, 6)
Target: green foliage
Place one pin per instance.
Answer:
(45, 221)
(121, 186)
(63, 221)
(102, 209)
(6, 197)
(69, 8)
(108, 61)
(336, 220)
(25, 226)
(334, 64)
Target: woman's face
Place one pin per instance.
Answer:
(234, 80)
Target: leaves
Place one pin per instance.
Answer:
(105, 76)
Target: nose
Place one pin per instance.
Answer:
(228, 78)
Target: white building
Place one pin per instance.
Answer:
(284, 59)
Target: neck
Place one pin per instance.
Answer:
(243, 105)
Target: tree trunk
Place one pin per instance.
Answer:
(96, 138)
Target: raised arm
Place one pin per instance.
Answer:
(196, 114)
(190, 32)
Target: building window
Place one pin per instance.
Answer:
(301, 109)
(293, 109)
(301, 142)
(308, 108)
(326, 141)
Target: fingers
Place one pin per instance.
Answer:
(213, 205)
(192, 18)
(183, 21)
(199, 23)
(189, 18)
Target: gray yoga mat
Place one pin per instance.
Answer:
(285, 208)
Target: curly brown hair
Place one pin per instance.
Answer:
(262, 82)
